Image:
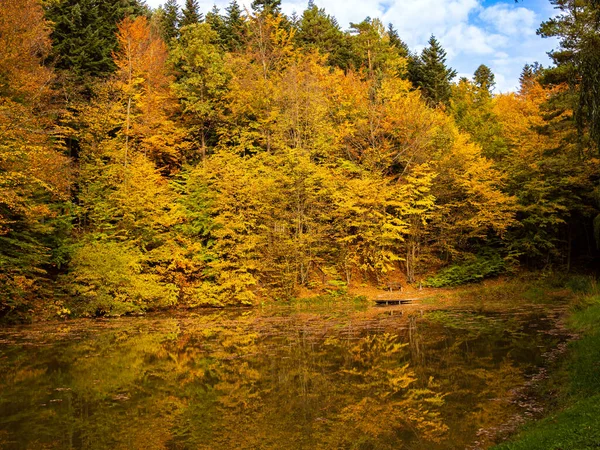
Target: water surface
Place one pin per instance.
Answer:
(342, 377)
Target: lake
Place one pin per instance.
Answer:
(347, 376)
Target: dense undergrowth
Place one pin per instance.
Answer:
(573, 424)
(474, 269)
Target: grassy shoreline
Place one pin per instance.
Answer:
(574, 423)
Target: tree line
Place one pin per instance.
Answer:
(151, 158)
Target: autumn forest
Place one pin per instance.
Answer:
(178, 157)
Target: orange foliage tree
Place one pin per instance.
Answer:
(34, 174)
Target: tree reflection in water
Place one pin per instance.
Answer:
(258, 380)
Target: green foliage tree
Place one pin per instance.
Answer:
(235, 27)
(430, 73)
(84, 33)
(318, 30)
(395, 41)
(371, 47)
(577, 60)
(266, 6)
(203, 81)
(170, 17)
(547, 173)
(217, 24)
(191, 15)
(484, 79)
(473, 109)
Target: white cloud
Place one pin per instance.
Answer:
(510, 21)
(469, 39)
(416, 20)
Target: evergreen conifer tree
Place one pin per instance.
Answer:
(217, 24)
(395, 41)
(170, 20)
(84, 33)
(430, 73)
(577, 60)
(191, 13)
(267, 6)
(484, 79)
(317, 29)
(528, 76)
(371, 49)
(234, 25)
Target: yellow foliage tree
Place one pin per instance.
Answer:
(129, 144)
(35, 176)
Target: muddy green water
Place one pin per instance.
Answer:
(342, 377)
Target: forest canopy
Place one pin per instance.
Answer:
(178, 157)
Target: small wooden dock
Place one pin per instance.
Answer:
(395, 301)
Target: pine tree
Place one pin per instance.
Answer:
(191, 13)
(577, 60)
(530, 76)
(371, 49)
(547, 173)
(234, 26)
(84, 31)
(170, 20)
(202, 83)
(395, 41)
(267, 6)
(316, 29)
(294, 20)
(217, 24)
(577, 70)
(430, 73)
(484, 79)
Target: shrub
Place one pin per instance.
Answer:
(470, 271)
(109, 279)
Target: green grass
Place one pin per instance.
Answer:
(576, 428)
(575, 425)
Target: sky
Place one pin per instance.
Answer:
(498, 33)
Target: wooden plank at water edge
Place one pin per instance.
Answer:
(397, 301)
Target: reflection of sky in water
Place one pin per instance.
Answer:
(278, 379)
